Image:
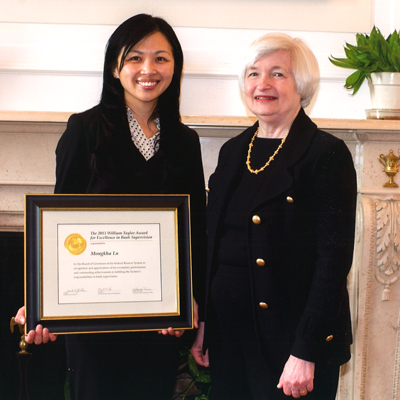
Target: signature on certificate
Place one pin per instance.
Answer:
(108, 290)
(73, 292)
(142, 290)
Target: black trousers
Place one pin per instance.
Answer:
(238, 369)
(125, 366)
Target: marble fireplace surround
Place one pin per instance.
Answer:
(27, 144)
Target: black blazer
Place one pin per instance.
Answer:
(175, 169)
(305, 233)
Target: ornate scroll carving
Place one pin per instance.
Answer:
(387, 270)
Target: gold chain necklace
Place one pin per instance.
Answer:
(256, 171)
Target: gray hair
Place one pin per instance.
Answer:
(304, 64)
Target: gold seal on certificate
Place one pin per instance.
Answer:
(75, 244)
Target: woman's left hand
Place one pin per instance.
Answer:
(172, 332)
(297, 378)
(180, 332)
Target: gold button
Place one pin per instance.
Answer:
(260, 262)
(263, 305)
(256, 219)
(207, 189)
(329, 338)
(289, 199)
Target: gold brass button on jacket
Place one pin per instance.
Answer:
(301, 230)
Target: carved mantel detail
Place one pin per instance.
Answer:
(387, 235)
(377, 327)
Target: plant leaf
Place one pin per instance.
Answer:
(204, 377)
(193, 368)
(362, 39)
(342, 62)
(353, 79)
(350, 52)
(356, 86)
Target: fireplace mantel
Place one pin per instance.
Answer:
(323, 123)
(28, 141)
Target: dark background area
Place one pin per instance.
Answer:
(46, 368)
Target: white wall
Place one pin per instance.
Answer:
(317, 15)
(57, 66)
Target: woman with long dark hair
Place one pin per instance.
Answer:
(132, 142)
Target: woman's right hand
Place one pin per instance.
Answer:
(37, 336)
(197, 348)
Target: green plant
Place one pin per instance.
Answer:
(195, 380)
(373, 53)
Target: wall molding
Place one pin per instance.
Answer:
(58, 67)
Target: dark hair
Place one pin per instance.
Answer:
(112, 103)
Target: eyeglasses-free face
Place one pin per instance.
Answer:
(147, 71)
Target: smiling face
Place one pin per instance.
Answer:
(147, 71)
(270, 89)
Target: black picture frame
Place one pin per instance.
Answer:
(40, 207)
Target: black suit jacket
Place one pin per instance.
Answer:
(175, 169)
(306, 207)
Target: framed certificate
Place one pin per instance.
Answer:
(105, 263)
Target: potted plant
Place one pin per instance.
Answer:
(378, 60)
